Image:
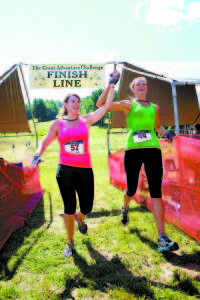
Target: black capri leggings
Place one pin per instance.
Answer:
(71, 180)
(152, 160)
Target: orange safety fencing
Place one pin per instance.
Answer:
(181, 182)
(20, 191)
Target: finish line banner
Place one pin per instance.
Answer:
(67, 76)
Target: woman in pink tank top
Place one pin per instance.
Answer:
(74, 172)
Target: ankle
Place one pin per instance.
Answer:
(161, 235)
(70, 241)
(79, 216)
(125, 207)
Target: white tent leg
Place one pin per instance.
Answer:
(174, 95)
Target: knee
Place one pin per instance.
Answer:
(85, 211)
(130, 193)
(69, 211)
(156, 195)
(157, 199)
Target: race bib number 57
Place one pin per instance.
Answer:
(75, 147)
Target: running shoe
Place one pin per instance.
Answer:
(82, 226)
(124, 216)
(69, 249)
(165, 244)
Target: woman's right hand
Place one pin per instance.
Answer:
(49, 138)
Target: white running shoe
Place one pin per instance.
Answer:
(69, 249)
(165, 244)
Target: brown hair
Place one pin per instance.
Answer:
(66, 99)
(134, 81)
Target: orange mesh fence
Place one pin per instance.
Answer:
(20, 191)
(181, 182)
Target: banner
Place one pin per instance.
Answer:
(67, 76)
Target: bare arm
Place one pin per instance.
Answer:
(93, 117)
(49, 138)
(160, 129)
(123, 105)
(102, 99)
(114, 78)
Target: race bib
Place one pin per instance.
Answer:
(142, 136)
(75, 147)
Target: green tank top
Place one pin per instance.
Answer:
(140, 123)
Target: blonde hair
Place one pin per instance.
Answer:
(134, 81)
(66, 99)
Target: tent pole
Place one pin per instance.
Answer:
(36, 134)
(174, 95)
(108, 139)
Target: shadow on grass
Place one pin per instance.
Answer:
(187, 261)
(105, 275)
(115, 212)
(17, 238)
(179, 285)
(144, 239)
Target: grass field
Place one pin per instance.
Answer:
(112, 261)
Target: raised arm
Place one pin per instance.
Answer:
(124, 105)
(102, 99)
(114, 78)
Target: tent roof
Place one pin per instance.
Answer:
(159, 92)
(140, 70)
(12, 113)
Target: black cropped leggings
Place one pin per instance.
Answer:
(152, 160)
(71, 180)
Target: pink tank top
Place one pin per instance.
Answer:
(74, 149)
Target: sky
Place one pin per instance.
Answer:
(162, 36)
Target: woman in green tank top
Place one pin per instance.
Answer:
(142, 118)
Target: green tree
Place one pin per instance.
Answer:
(40, 111)
(59, 103)
(95, 96)
(52, 109)
(87, 105)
